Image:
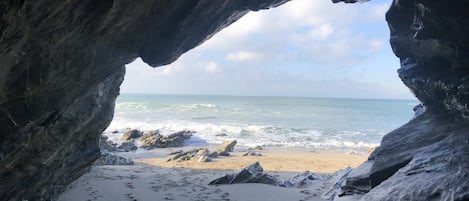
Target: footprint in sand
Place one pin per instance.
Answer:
(131, 197)
(130, 185)
(156, 188)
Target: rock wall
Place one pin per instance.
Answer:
(427, 158)
(61, 64)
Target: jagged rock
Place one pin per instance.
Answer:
(302, 180)
(106, 145)
(156, 140)
(127, 146)
(150, 140)
(132, 134)
(258, 147)
(111, 159)
(224, 148)
(201, 155)
(251, 153)
(419, 110)
(221, 134)
(251, 174)
(338, 179)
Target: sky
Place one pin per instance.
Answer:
(304, 48)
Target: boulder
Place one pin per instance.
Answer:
(132, 134)
(221, 134)
(127, 146)
(201, 155)
(223, 149)
(151, 140)
(154, 139)
(111, 159)
(106, 145)
(254, 173)
(302, 180)
(251, 153)
(337, 180)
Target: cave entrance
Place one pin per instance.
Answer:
(311, 74)
(337, 53)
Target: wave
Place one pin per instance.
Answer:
(252, 135)
(123, 106)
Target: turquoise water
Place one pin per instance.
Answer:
(271, 121)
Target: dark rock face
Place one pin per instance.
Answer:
(253, 173)
(427, 158)
(61, 64)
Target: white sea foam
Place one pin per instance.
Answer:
(245, 134)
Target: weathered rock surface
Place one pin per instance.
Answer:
(127, 146)
(132, 134)
(225, 148)
(201, 155)
(302, 180)
(427, 158)
(154, 139)
(337, 180)
(61, 64)
(106, 145)
(250, 153)
(111, 159)
(251, 174)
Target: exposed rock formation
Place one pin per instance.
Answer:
(132, 134)
(251, 174)
(61, 64)
(111, 159)
(154, 139)
(225, 148)
(427, 158)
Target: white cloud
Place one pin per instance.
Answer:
(243, 56)
(288, 50)
(321, 32)
(211, 67)
(376, 44)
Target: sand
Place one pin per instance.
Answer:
(152, 178)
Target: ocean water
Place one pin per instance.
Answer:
(330, 123)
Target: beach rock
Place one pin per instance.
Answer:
(251, 153)
(154, 139)
(201, 155)
(114, 131)
(259, 147)
(106, 145)
(221, 134)
(251, 174)
(127, 146)
(337, 180)
(132, 134)
(111, 159)
(151, 140)
(227, 146)
(302, 180)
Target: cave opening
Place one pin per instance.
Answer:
(299, 50)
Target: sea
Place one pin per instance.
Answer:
(293, 122)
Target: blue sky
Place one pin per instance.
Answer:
(307, 48)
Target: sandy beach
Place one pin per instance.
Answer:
(153, 178)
